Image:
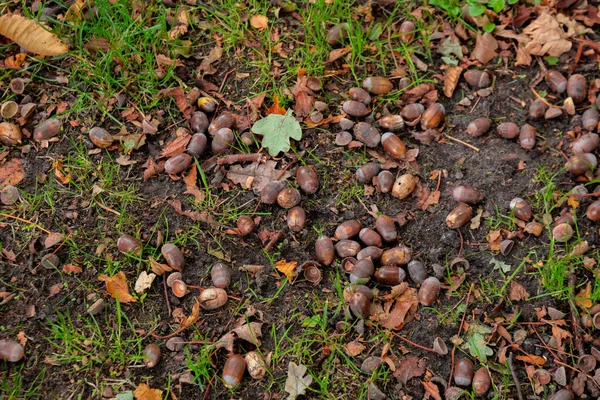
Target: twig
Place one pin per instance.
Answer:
(577, 58)
(475, 105)
(414, 344)
(514, 376)
(462, 243)
(167, 295)
(274, 241)
(389, 43)
(235, 158)
(225, 78)
(285, 169)
(576, 333)
(461, 142)
(26, 221)
(544, 100)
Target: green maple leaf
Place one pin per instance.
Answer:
(276, 131)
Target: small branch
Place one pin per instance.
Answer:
(167, 294)
(235, 158)
(514, 376)
(576, 332)
(544, 100)
(225, 78)
(461, 142)
(27, 222)
(274, 241)
(414, 344)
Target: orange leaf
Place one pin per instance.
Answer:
(71, 268)
(572, 201)
(532, 359)
(275, 109)
(144, 392)
(191, 187)
(432, 389)
(116, 286)
(11, 173)
(185, 322)
(259, 22)
(286, 268)
(583, 297)
(58, 171)
(432, 199)
(451, 79)
(14, 62)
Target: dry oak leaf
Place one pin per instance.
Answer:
(275, 108)
(191, 187)
(354, 348)
(517, 292)
(145, 392)
(286, 268)
(582, 299)
(531, 359)
(297, 380)
(409, 368)
(151, 168)
(547, 37)
(214, 55)
(256, 175)
(451, 78)
(31, 36)
(52, 239)
(158, 268)
(116, 286)
(184, 321)
(259, 22)
(432, 389)
(144, 282)
(177, 146)
(338, 53)
(11, 173)
(72, 268)
(485, 48)
(178, 94)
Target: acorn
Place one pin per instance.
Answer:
(296, 219)
(390, 275)
(467, 194)
(508, 130)
(220, 275)
(10, 134)
(556, 81)
(569, 106)
(577, 88)
(9, 109)
(562, 394)
(372, 252)
(579, 164)
(337, 34)
(129, 244)
(355, 108)
(206, 104)
(223, 139)
(386, 228)
(433, 116)
(348, 229)
(10, 350)
(343, 138)
(366, 173)
(479, 126)
(212, 298)
(429, 291)
(537, 109)
(351, 289)
(234, 370)
(360, 95)
(197, 145)
(403, 83)
(590, 119)
(553, 112)
(324, 250)
(393, 145)
(347, 248)
(245, 225)
(399, 255)
(527, 137)
(377, 85)
(199, 122)
(367, 134)
(247, 138)
(17, 85)
(587, 143)
(9, 195)
(407, 29)
(417, 271)
(593, 211)
(477, 79)
(307, 179)
(47, 129)
(256, 365)
(362, 271)
(360, 305)
(392, 123)
(412, 112)
(178, 164)
(562, 232)
(404, 186)
(289, 198)
(268, 194)
(459, 216)
(50, 261)
(481, 381)
(369, 237)
(463, 372)
(521, 209)
(173, 256)
(225, 120)
(151, 355)
(100, 137)
(385, 181)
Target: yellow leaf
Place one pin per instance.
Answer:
(583, 298)
(116, 286)
(144, 392)
(286, 268)
(572, 201)
(31, 36)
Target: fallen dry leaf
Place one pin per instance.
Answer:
(55, 289)
(286, 268)
(354, 348)
(432, 389)
(583, 298)
(21, 338)
(251, 333)
(53, 239)
(31, 36)
(191, 187)
(336, 54)
(11, 173)
(144, 392)
(547, 37)
(517, 292)
(256, 175)
(116, 286)
(259, 22)
(163, 61)
(125, 160)
(60, 175)
(206, 67)
(177, 146)
(71, 268)
(195, 216)
(531, 359)
(158, 268)
(185, 322)
(144, 282)
(405, 306)
(451, 78)
(178, 95)
(297, 380)
(432, 199)
(275, 108)
(410, 367)
(151, 168)
(485, 48)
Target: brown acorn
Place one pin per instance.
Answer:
(412, 112)
(562, 232)
(223, 139)
(392, 123)
(477, 79)
(579, 164)
(151, 355)
(407, 29)
(527, 137)
(508, 130)
(459, 216)
(9, 195)
(587, 143)
(337, 34)
(369, 237)
(569, 106)
(289, 198)
(521, 209)
(324, 250)
(360, 95)
(17, 85)
(178, 164)
(296, 219)
(403, 83)
(233, 371)
(393, 145)
(197, 145)
(307, 179)
(173, 256)
(377, 85)
(220, 275)
(360, 305)
(372, 252)
(556, 81)
(463, 372)
(429, 291)
(206, 104)
(268, 194)
(367, 134)
(245, 225)
(562, 394)
(199, 122)
(362, 271)
(225, 120)
(10, 350)
(399, 255)
(47, 129)
(129, 244)
(417, 271)
(212, 298)
(351, 289)
(577, 88)
(537, 109)
(590, 119)
(385, 181)
(366, 173)
(390, 275)
(100, 137)
(479, 126)
(553, 112)
(348, 229)
(467, 194)
(343, 138)
(593, 211)
(10, 134)
(386, 228)
(347, 248)
(481, 381)
(433, 116)
(355, 108)
(404, 186)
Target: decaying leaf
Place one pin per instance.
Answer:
(133, 142)
(71, 268)
(31, 36)
(517, 292)
(451, 51)
(275, 108)
(256, 175)
(191, 187)
(583, 298)
(178, 94)
(116, 286)
(276, 131)
(410, 367)
(250, 332)
(286, 268)
(151, 168)
(432, 199)
(485, 48)
(144, 282)
(195, 216)
(405, 306)
(11, 173)
(144, 392)
(259, 22)
(354, 348)
(531, 359)
(451, 78)
(53, 239)
(336, 54)
(184, 322)
(547, 37)
(297, 380)
(59, 172)
(206, 67)
(158, 268)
